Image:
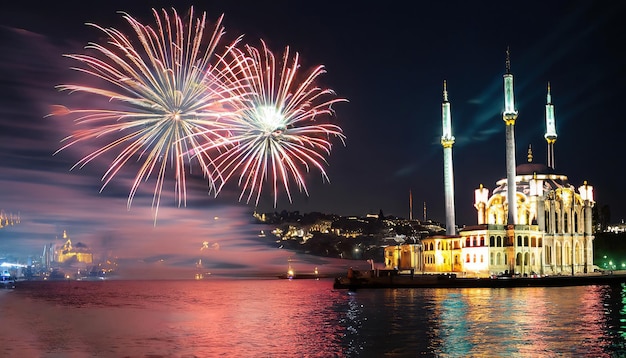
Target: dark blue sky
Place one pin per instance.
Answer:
(389, 60)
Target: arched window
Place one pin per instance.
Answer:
(519, 241)
(474, 258)
(499, 242)
(533, 241)
(492, 241)
(467, 258)
(482, 241)
(556, 225)
(498, 259)
(526, 241)
(467, 242)
(481, 259)
(518, 259)
(491, 262)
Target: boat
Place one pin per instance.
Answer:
(292, 275)
(388, 279)
(310, 276)
(6, 280)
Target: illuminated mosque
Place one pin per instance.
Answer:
(547, 232)
(67, 253)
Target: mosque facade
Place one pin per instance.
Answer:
(78, 253)
(547, 232)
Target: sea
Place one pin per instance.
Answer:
(225, 317)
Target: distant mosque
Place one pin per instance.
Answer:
(67, 253)
(547, 232)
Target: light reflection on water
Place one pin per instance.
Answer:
(307, 318)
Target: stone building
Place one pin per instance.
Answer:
(69, 253)
(547, 232)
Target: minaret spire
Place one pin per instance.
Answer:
(447, 140)
(509, 116)
(550, 128)
(507, 63)
(410, 205)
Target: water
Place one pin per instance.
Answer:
(307, 318)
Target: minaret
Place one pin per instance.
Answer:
(481, 198)
(447, 140)
(509, 116)
(550, 128)
(586, 194)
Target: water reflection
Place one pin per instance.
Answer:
(526, 322)
(614, 323)
(307, 318)
(240, 318)
(352, 323)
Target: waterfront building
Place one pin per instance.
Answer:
(616, 228)
(78, 253)
(547, 231)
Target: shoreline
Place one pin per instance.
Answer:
(452, 281)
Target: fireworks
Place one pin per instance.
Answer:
(276, 137)
(174, 100)
(168, 89)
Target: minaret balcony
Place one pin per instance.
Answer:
(509, 118)
(447, 142)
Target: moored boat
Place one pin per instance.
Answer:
(291, 274)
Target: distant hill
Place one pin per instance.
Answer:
(609, 247)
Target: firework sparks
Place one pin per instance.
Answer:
(171, 86)
(277, 136)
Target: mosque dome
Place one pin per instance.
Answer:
(533, 168)
(525, 171)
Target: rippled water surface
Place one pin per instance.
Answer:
(307, 318)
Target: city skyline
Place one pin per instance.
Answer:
(389, 62)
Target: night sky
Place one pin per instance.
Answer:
(388, 59)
